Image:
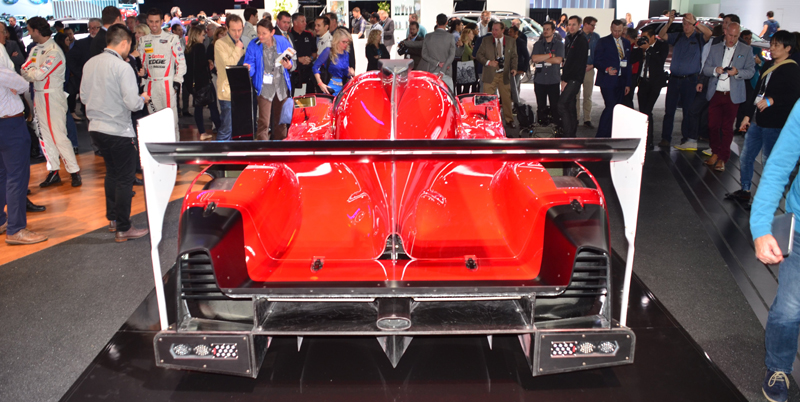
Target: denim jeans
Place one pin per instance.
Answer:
(783, 323)
(757, 139)
(72, 130)
(226, 129)
(683, 89)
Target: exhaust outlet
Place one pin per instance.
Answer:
(394, 314)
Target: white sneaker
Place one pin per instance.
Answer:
(689, 145)
(708, 152)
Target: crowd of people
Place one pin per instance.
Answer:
(155, 61)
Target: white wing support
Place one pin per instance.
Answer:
(159, 181)
(627, 178)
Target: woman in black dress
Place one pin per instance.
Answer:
(198, 76)
(375, 50)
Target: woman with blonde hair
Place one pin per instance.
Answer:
(375, 50)
(198, 76)
(334, 63)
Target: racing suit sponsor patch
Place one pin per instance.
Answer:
(163, 41)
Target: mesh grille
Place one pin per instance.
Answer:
(590, 275)
(197, 278)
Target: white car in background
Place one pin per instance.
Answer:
(80, 27)
(530, 28)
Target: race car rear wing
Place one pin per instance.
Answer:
(624, 151)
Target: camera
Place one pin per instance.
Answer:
(726, 69)
(402, 49)
(641, 41)
(500, 63)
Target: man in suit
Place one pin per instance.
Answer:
(388, 29)
(496, 77)
(651, 54)
(111, 16)
(438, 51)
(79, 54)
(728, 66)
(611, 59)
(572, 75)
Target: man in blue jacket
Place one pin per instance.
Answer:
(783, 322)
(613, 73)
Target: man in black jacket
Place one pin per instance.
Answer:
(305, 44)
(576, 52)
(111, 16)
(651, 54)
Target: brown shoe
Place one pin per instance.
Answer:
(112, 226)
(131, 234)
(712, 160)
(25, 236)
(3, 228)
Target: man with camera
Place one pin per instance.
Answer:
(499, 58)
(729, 65)
(651, 53)
(685, 67)
(546, 57)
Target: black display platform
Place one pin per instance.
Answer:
(669, 366)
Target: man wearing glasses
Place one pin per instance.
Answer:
(588, 80)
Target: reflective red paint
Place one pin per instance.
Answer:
(443, 211)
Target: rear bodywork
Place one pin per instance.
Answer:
(394, 210)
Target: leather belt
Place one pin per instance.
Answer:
(680, 77)
(20, 114)
(724, 93)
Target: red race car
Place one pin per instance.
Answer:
(393, 210)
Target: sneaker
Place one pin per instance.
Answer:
(708, 152)
(689, 145)
(776, 386)
(52, 178)
(76, 179)
(25, 236)
(663, 144)
(738, 195)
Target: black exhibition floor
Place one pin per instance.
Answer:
(669, 366)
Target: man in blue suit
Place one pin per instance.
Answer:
(611, 59)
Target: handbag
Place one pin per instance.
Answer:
(205, 95)
(465, 72)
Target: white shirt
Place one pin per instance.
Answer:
(4, 59)
(11, 104)
(483, 29)
(323, 42)
(727, 58)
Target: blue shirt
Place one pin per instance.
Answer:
(592, 38)
(687, 53)
(780, 164)
(340, 69)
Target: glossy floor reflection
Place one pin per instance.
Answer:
(669, 366)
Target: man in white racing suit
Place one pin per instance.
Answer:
(46, 67)
(164, 64)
